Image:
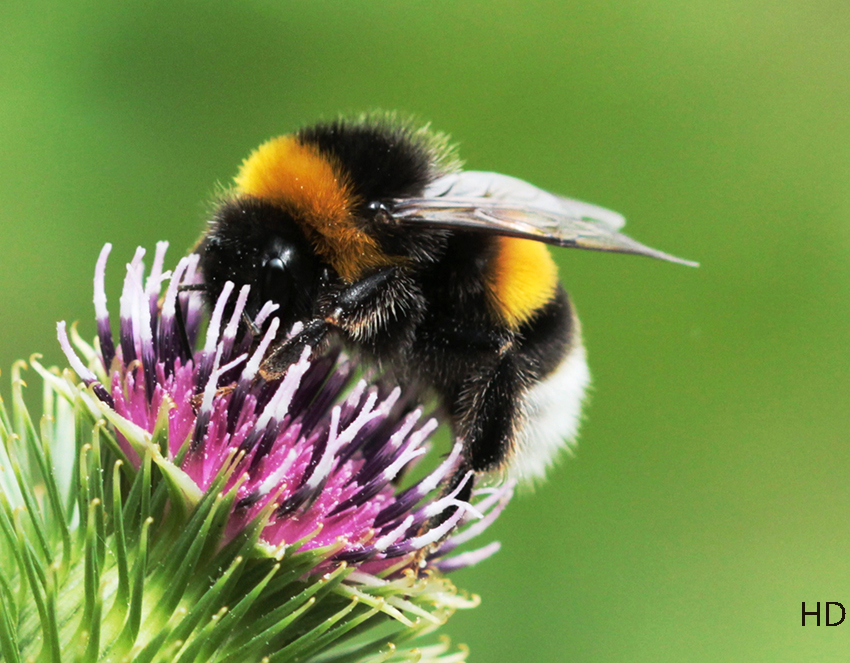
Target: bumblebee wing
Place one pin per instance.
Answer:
(472, 184)
(503, 205)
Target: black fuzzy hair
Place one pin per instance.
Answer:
(383, 157)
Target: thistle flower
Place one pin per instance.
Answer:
(174, 508)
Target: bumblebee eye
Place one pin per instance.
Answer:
(288, 278)
(380, 213)
(276, 281)
(275, 264)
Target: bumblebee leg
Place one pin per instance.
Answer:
(249, 325)
(359, 310)
(275, 365)
(361, 293)
(379, 313)
(488, 412)
(487, 415)
(481, 374)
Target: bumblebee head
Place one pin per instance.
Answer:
(260, 244)
(329, 177)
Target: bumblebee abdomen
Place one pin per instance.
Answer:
(551, 413)
(522, 278)
(550, 405)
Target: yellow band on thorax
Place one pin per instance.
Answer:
(295, 176)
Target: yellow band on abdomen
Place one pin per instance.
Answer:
(522, 279)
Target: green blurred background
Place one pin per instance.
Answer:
(709, 495)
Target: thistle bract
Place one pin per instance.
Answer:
(174, 507)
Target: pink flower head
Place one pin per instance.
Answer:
(318, 454)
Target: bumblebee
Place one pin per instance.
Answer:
(367, 230)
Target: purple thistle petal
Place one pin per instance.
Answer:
(430, 537)
(142, 326)
(491, 508)
(228, 336)
(208, 354)
(413, 495)
(437, 507)
(169, 343)
(394, 535)
(265, 312)
(253, 365)
(86, 375)
(192, 302)
(104, 332)
(154, 284)
(467, 559)
(127, 335)
(377, 463)
(321, 387)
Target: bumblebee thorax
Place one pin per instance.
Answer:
(317, 194)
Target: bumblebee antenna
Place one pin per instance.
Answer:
(250, 324)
